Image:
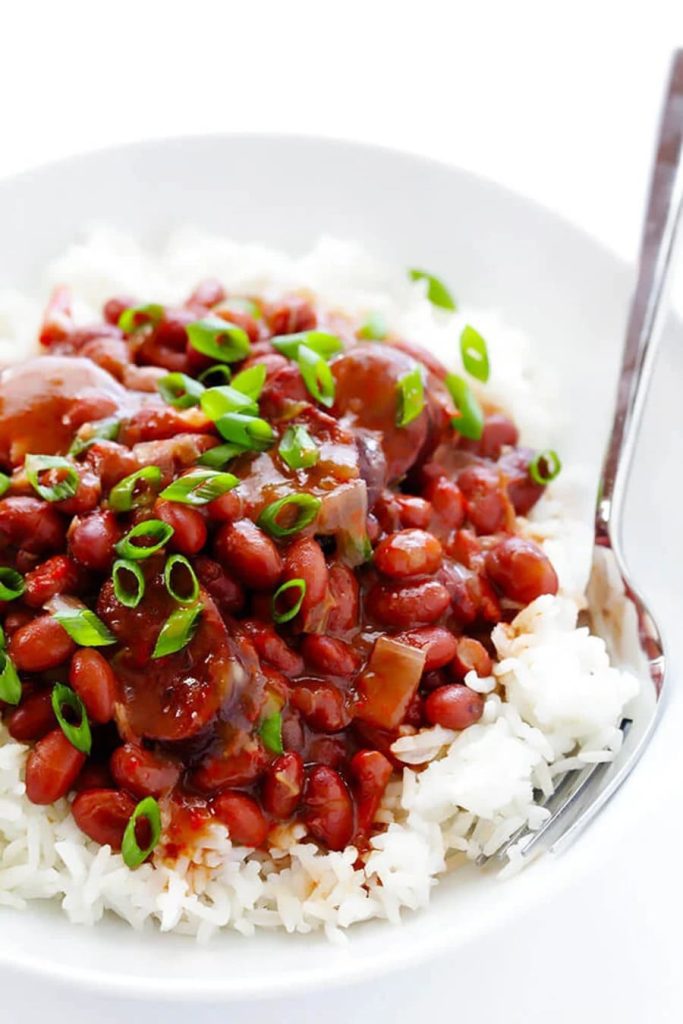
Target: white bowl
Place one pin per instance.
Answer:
(498, 250)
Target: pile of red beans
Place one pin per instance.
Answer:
(259, 719)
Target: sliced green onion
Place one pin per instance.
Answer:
(317, 375)
(220, 456)
(138, 317)
(320, 342)
(103, 430)
(199, 487)
(470, 422)
(437, 292)
(131, 851)
(10, 683)
(218, 339)
(298, 449)
(545, 466)
(217, 402)
(78, 735)
(179, 564)
(4, 483)
(250, 432)
(374, 329)
(153, 529)
(291, 612)
(82, 625)
(475, 355)
(250, 381)
(124, 495)
(34, 465)
(216, 375)
(177, 631)
(307, 506)
(3, 641)
(271, 733)
(11, 584)
(179, 390)
(128, 595)
(410, 398)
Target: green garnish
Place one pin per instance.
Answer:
(475, 356)
(103, 430)
(218, 339)
(10, 683)
(321, 342)
(218, 402)
(251, 433)
(410, 400)
(82, 625)
(179, 390)
(220, 456)
(153, 529)
(291, 612)
(298, 449)
(128, 592)
(11, 584)
(134, 855)
(250, 381)
(199, 487)
(470, 422)
(186, 589)
(374, 329)
(437, 292)
(271, 733)
(79, 735)
(545, 466)
(136, 318)
(126, 495)
(215, 376)
(177, 631)
(4, 483)
(317, 375)
(66, 487)
(307, 507)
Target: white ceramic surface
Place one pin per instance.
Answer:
(498, 250)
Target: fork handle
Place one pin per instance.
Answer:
(647, 308)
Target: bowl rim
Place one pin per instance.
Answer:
(549, 874)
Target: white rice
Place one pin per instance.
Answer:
(561, 703)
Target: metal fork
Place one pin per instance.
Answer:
(617, 610)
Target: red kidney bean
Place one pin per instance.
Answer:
(408, 553)
(453, 706)
(15, 619)
(431, 680)
(321, 704)
(291, 315)
(51, 768)
(225, 509)
(344, 591)
(523, 491)
(92, 539)
(111, 462)
(207, 293)
(245, 550)
(272, 648)
(304, 560)
(240, 318)
(471, 656)
(33, 718)
(93, 679)
(489, 605)
(103, 815)
(521, 570)
(40, 645)
(464, 546)
(57, 575)
(402, 510)
(488, 508)
(412, 604)
(330, 656)
(226, 592)
(94, 775)
(114, 307)
(463, 587)
(57, 322)
(31, 524)
(283, 785)
(371, 772)
(239, 768)
(437, 642)
(328, 750)
(112, 354)
(87, 496)
(446, 501)
(167, 344)
(328, 808)
(498, 432)
(283, 386)
(189, 528)
(143, 772)
(243, 818)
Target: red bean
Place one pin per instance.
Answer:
(283, 785)
(272, 648)
(488, 507)
(321, 704)
(57, 319)
(328, 808)
(87, 496)
(454, 706)
(226, 592)
(245, 550)
(40, 645)
(103, 815)
(412, 604)
(93, 679)
(189, 528)
(240, 318)
(291, 315)
(112, 354)
(437, 642)
(94, 775)
(330, 656)
(402, 510)
(207, 293)
(408, 553)
(305, 560)
(33, 718)
(498, 432)
(282, 387)
(115, 306)
(15, 619)
(225, 509)
(57, 575)
(521, 570)
(243, 818)
(143, 772)
(92, 539)
(464, 546)
(471, 656)
(31, 524)
(344, 592)
(111, 462)
(51, 768)
(447, 501)
(522, 489)
(371, 772)
(239, 767)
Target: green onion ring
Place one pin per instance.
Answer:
(317, 375)
(178, 630)
(220, 456)
(79, 736)
(219, 339)
(410, 400)
(217, 402)
(470, 422)
(83, 626)
(298, 449)
(158, 531)
(103, 430)
(250, 432)
(179, 390)
(474, 354)
(199, 487)
(307, 504)
(34, 465)
(179, 561)
(437, 292)
(128, 598)
(10, 683)
(551, 460)
(133, 855)
(290, 613)
(216, 376)
(136, 318)
(250, 381)
(322, 343)
(122, 496)
(12, 584)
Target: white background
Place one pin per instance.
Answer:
(557, 100)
